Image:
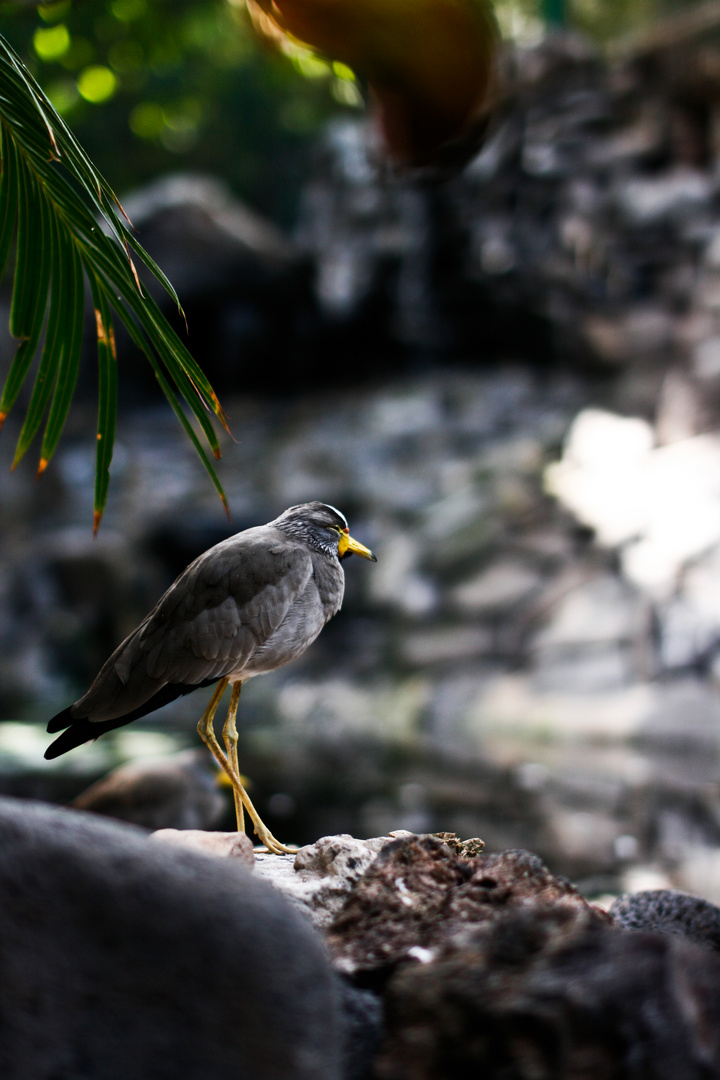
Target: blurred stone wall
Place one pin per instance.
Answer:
(509, 385)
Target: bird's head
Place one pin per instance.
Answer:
(324, 528)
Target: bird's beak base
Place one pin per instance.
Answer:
(348, 546)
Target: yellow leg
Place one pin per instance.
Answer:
(206, 731)
(230, 738)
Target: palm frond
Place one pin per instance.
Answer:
(70, 226)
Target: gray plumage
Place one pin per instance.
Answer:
(245, 607)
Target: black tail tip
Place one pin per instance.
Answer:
(61, 720)
(68, 725)
(76, 735)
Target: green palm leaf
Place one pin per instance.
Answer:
(70, 225)
(107, 393)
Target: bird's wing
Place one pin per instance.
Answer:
(208, 624)
(227, 604)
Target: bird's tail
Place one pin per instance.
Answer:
(79, 729)
(62, 720)
(77, 732)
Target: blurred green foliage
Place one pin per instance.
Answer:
(603, 20)
(53, 206)
(153, 86)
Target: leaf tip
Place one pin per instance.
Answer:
(3, 418)
(221, 414)
(41, 468)
(97, 518)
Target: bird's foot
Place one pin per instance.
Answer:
(268, 841)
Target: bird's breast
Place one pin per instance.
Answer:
(307, 614)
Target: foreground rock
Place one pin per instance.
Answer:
(458, 963)
(319, 879)
(418, 893)
(228, 845)
(549, 994)
(123, 955)
(120, 957)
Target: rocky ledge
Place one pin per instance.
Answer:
(125, 955)
(490, 965)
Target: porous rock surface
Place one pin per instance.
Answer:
(320, 877)
(670, 911)
(490, 965)
(550, 994)
(418, 892)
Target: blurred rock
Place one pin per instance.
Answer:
(187, 961)
(698, 870)
(502, 586)
(596, 256)
(234, 271)
(659, 505)
(550, 992)
(591, 642)
(670, 198)
(441, 646)
(177, 792)
(201, 234)
(225, 845)
(669, 911)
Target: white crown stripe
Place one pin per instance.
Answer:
(335, 509)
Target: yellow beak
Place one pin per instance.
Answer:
(348, 546)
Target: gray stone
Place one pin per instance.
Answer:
(651, 200)
(685, 714)
(318, 879)
(442, 645)
(583, 670)
(199, 232)
(227, 845)
(600, 611)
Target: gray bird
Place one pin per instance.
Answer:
(245, 607)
